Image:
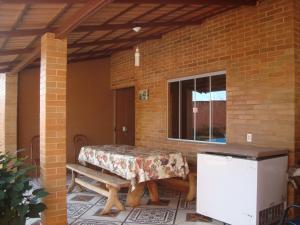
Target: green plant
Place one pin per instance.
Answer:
(17, 200)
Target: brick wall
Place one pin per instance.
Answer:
(8, 114)
(2, 112)
(255, 45)
(297, 57)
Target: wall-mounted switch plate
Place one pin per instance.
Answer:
(249, 138)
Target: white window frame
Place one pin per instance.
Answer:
(217, 73)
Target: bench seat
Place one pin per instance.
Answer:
(112, 182)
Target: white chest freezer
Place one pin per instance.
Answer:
(242, 186)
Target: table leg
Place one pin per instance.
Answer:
(153, 192)
(192, 187)
(134, 197)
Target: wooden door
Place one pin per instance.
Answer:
(125, 116)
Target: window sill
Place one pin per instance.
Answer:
(196, 142)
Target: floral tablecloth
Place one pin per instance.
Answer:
(135, 163)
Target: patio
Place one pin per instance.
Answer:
(85, 207)
(176, 77)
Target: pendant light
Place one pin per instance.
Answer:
(137, 55)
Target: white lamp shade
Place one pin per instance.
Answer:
(137, 57)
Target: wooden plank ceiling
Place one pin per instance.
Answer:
(94, 28)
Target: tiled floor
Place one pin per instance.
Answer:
(84, 209)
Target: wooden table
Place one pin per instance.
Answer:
(142, 166)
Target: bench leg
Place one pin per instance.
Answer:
(134, 197)
(192, 187)
(112, 200)
(72, 184)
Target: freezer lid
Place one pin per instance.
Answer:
(245, 151)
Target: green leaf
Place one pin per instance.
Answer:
(2, 195)
(40, 193)
(22, 209)
(35, 209)
(15, 201)
(18, 187)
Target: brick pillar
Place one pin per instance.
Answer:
(8, 113)
(53, 127)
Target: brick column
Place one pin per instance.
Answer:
(53, 127)
(8, 113)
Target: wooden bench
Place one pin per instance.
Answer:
(113, 185)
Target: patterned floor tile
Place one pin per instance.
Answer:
(164, 203)
(84, 197)
(75, 210)
(168, 193)
(190, 217)
(33, 221)
(115, 215)
(71, 220)
(183, 204)
(152, 216)
(168, 199)
(95, 222)
(102, 200)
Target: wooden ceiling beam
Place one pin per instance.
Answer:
(107, 21)
(5, 70)
(16, 51)
(99, 52)
(132, 25)
(87, 10)
(113, 41)
(88, 58)
(24, 32)
(193, 2)
(8, 64)
(42, 1)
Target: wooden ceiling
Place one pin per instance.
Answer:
(94, 28)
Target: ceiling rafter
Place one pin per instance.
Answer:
(193, 2)
(106, 22)
(102, 52)
(15, 51)
(8, 64)
(17, 23)
(132, 20)
(202, 19)
(162, 16)
(111, 19)
(88, 58)
(24, 32)
(42, 1)
(132, 25)
(52, 22)
(91, 7)
(116, 41)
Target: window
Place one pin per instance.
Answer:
(197, 108)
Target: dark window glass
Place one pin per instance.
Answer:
(187, 117)
(202, 108)
(173, 110)
(218, 110)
